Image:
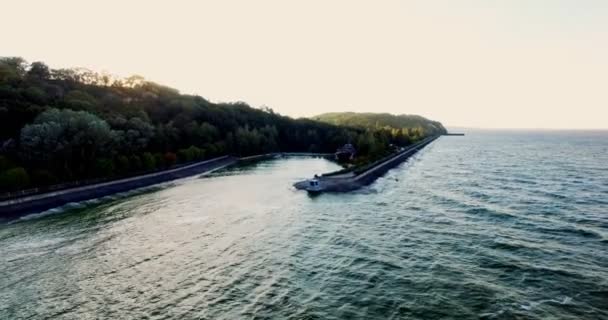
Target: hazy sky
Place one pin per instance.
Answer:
(481, 63)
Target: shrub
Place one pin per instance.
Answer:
(148, 161)
(191, 154)
(104, 167)
(217, 149)
(196, 153)
(15, 178)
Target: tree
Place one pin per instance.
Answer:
(12, 68)
(134, 81)
(134, 134)
(80, 100)
(77, 123)
(65, 136)
(39, 70)
(148, 161)
(35, 95)
(190, 154)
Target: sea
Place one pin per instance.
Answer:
(493, 225)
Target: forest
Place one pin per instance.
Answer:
(70, 125)
(409, 126)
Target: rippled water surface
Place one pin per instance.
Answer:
(505, 225)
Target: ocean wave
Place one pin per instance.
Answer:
(571, 231)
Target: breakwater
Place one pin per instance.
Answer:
(43, 201)
(39, 202)
(352, 180)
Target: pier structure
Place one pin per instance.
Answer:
(351, 180)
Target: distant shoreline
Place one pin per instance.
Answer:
(529, 129)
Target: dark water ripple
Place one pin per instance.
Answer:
(494, 225)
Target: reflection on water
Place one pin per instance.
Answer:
(492, 225)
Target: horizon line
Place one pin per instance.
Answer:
(526, 128)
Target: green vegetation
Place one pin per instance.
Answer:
(64, 125)
(382, 129)
(408, 127)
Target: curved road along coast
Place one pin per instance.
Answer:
(40, 202)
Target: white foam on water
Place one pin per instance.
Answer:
(532, 304)
(41, 214)
(91, 202)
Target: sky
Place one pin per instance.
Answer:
(466, 63)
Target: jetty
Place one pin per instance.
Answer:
(355, 179)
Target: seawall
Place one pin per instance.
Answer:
(40, 202)
(373, 173)
(44, 201)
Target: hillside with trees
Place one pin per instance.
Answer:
(412, 127)
(65, 125)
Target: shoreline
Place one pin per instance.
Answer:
(44, 201)
(20, 206)
(351, 181)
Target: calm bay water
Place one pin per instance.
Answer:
(496, 225)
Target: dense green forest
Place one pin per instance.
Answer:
(411, 126)
(62, 125)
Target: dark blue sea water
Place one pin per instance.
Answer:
(493, 225)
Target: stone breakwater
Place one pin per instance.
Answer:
(351, 181)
